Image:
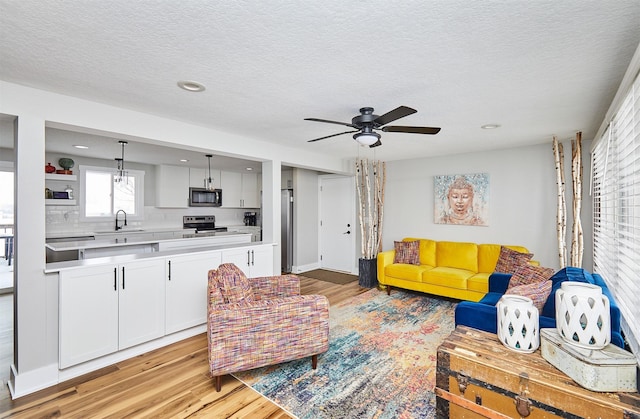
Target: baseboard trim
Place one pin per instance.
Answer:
(305, 268)
(32, 381)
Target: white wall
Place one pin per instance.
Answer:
(305, 218)
(522, 200)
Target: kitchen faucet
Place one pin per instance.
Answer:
(125, 220)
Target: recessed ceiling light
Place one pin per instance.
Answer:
(80, 146)
(191, 86)
(490, 126)
(249, 168)
(184, 160)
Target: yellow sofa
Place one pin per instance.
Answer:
(451, 269)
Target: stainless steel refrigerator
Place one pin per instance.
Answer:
(286, 229)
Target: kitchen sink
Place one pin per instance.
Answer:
(121, 231)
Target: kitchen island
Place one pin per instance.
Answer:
(111, 308)
(137, 241)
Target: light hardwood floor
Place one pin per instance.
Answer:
(171, 382)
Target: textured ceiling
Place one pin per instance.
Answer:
(537, 68)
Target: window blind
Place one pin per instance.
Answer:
(616, 211)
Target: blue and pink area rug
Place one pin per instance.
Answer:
(381, 361)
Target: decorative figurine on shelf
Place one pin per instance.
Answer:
(49, 168)
(66, 164)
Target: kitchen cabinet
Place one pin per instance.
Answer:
(253, 260)
(172, 186)
(186, 284)
(197, 177)
(59, 183)
(103, 309)
(239, 190)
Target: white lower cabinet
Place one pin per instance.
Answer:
(103, 309)
(254, 260)
(186, 280)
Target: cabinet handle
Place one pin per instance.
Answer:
(123, 277)
(252, 258)
(248, 259)
(169, 270)
(115, 279)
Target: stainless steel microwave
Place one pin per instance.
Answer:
(203, 197)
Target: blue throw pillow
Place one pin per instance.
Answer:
(569, 273)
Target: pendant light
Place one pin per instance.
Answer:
(208, 182)
(121, 174)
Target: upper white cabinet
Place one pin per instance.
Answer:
(240, 190)
(250, 191)
(172, 186)
(197, 177)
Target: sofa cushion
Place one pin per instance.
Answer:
(528, 274)
(235, 286)
(457, 255)
(406, 271)
(510, 259)
(537, 291)
(488, 255)
(479, 282)
(447, 277)
(427, 251)
(407, 252)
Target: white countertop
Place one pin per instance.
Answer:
(135, 238)
(83, 263)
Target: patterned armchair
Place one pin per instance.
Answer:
(261, 321)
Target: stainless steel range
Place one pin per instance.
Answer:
(202, 223)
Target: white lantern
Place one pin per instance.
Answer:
(518, 327)
(582, 315)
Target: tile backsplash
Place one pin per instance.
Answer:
(66, 219)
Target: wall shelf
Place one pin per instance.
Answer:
(55, 176)
(60, 202)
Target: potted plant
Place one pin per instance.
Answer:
(370, 181)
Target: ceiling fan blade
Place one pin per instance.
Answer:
(376, 144)
(397, 113)
(332, 135)
(411, 130)
(330, 122)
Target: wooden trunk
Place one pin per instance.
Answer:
(478, 377)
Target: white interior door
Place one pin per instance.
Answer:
(337, 223)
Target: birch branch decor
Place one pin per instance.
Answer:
(577, 240)
(561, 224)
(370, 205)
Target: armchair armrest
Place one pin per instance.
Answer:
(278, 286)
(236, 329)
(499, 282)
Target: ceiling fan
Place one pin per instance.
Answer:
(367, 123)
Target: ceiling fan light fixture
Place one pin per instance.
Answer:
(366, 138)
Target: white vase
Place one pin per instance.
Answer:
(518, 326)
(582, 315)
